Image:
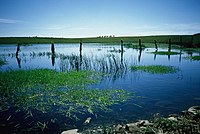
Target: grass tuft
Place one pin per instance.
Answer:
(165, 53)
(156, 69)
(64, 92)
(195, 57)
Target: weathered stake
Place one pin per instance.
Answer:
(140, 44)
(18, 49)
(156, 46)
(122, 46)
(169, 48)
(81, 45)
(122, 51)
(52, 49)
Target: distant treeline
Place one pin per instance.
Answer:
(186, 40)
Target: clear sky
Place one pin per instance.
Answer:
(89, 18)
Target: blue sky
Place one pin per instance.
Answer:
(89, 18)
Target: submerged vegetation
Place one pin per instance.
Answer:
(166, 53)
(156, 69)
(195, 57)
(65, 92)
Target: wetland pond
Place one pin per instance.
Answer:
(94, 86)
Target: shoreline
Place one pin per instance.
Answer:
(187, 122)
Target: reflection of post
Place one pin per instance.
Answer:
(140, 45)
(155, 54)
(81, 59)
(156, 45)
(18, 49)
(18, 61)
(168, 56)
(169, 48)
(53, 59)
(180, 56)
(140, 53)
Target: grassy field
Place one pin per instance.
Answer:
(187, 40)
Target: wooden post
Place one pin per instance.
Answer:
(122, 46)
(156, 45)
(52, 49)
(81, 58)
(18, 49)
(81, 45)
(140, 44)
(169, 49)
(122, 51)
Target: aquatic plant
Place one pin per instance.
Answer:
(195, 57)
(63, 92)
(165, 53)
(155, 69)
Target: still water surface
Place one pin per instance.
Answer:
(160, 93)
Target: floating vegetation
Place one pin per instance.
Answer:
(195, 57)
(156, 69)
(165, 53)
(65, 92)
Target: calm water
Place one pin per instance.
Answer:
(164, 94)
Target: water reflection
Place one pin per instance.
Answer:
(140, 54)
(155, 54)
(18, 61)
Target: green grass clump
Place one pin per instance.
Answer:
(165, 53)
(195, 57)
(155, 69)
(62, 92)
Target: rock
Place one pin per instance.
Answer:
(172, 119)
(132, 127)
(144, 123)
(88, 120)
(194, 110)
(119, 128)
(73, 131)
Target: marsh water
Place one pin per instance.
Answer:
(157, 93)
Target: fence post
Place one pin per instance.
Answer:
(122, 46)
(81, 45)
(156, 44)
(81, 58)
(140, 44)
(52, 49)
(169, 48)
(18, 49)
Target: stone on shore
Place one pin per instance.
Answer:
(73, 131)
